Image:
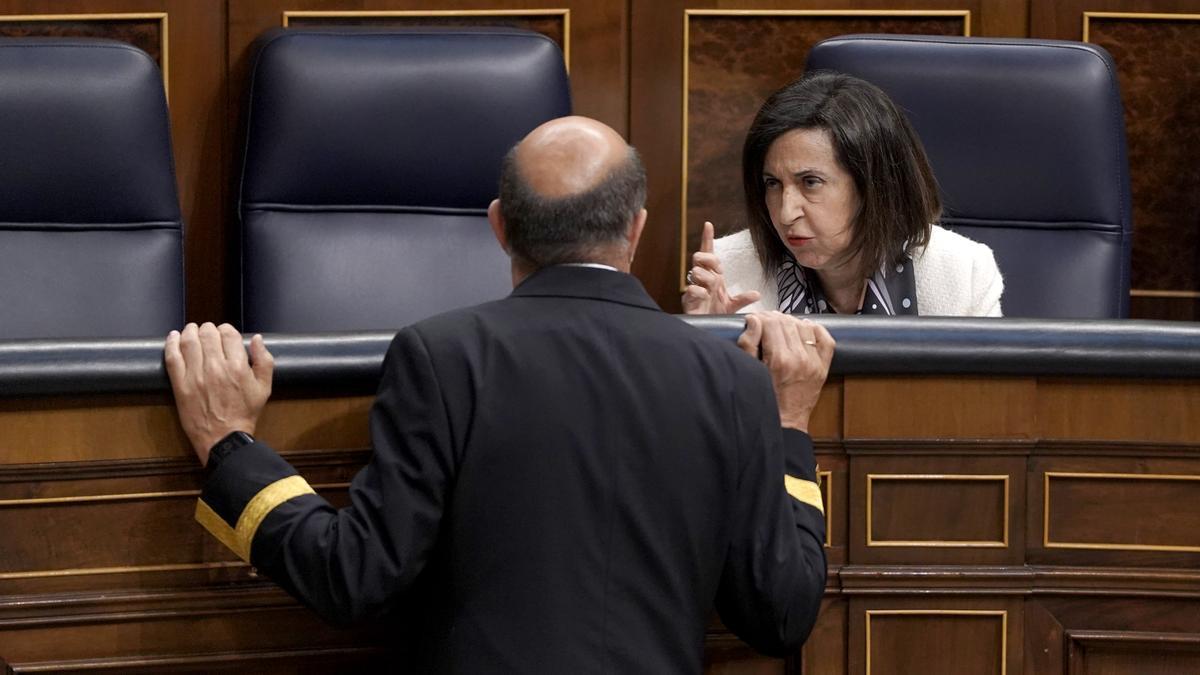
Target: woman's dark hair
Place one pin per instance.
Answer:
(873, 141)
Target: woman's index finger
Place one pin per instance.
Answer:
(706, 238)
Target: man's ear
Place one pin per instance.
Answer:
(636, 227)
(496, 220)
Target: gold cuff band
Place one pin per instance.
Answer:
(805, 491)
(240, 538)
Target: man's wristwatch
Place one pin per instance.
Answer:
(225, 447)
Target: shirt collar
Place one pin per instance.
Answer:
(592, 265)
(596, 282)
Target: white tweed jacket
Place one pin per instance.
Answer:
(955, 276)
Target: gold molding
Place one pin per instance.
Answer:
(418, 13)
(826, 478)
(834, 13)
(130, 569)
(126, 497)
(1002, 613)
(1047, 543)
(132, 16)
(1144, 293)
(124, 569)
(1137, 16)
(937, 543)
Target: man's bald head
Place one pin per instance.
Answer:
(569, 156)
(569, 192)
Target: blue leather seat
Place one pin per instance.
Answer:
(1027, 140)
(90, 229)
(370, 160)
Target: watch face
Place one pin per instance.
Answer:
(227, 445)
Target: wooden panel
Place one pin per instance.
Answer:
(1163, 127)
(1158, 86)
(1092, 510)
(832, 471)
(147, 31)
(1065, 633)
(1165, 307)
(910, 641)
(189, 626)
(725, 654)
(1132, 653)
(1118, 511)
(1165, 412)
(120, 524)
(826, 419)
(62, 429)
(192, 53)
(926, 510)
(939, 407)
(935, 635)
(937, 510)
(279, 662)
(825, 651)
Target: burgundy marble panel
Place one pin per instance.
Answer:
(734, 63)
(145, 34)
(550, 25)
(1160, 85)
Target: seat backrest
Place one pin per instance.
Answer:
(90, 229)
(1027, 140)
(370, 160)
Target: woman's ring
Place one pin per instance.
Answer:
(689, 278)
(812, 343)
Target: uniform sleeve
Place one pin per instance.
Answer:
(349, 564)
(774, 574)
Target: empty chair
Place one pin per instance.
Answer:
(1027, 140)
(370, 160)
(90, 229)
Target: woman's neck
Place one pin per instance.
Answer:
(843, 287)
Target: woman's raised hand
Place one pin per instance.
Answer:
(705, 292)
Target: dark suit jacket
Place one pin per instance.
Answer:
(582, 476)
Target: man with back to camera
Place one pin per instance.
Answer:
(577, 477)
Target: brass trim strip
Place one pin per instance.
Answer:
(1144, 293)
(689, 13)
(936, 543)
(129, 569)
(826, 478)
(1002, 613)
(403, 13)
(162, 18)
(127, 496)
(1047, 543)
(1137, 16)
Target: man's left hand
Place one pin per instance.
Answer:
(218, 388)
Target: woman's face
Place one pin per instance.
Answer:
(811, 198)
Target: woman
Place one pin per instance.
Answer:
(840, 200)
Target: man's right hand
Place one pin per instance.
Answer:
(705, 292)
(218, 387)
(797, 352)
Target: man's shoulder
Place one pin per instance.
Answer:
(452, 326)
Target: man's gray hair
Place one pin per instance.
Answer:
(543, 231)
